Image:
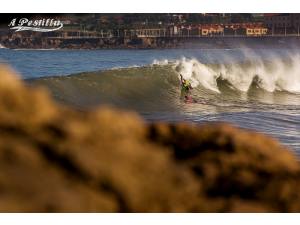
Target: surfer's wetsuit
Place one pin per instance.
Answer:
(186, 86)
(185, 89)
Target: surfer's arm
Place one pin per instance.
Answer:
(181, 79)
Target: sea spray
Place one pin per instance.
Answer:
(273, 74)
(197, 73)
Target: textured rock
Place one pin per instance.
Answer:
(54, 158)
(239, 170)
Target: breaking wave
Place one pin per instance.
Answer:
(270, 75)
(272, 81)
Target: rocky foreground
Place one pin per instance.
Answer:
(57, 159)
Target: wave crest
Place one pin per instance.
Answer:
(275, 74)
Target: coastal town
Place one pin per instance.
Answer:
(95, 31)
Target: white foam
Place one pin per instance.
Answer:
(197, 73)
(277, 74)
(125, 67)
(162, 62)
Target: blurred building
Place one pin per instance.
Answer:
(282, 20)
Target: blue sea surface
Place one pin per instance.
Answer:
(40, 63)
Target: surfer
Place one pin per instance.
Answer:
(186, 88)
(185, 84)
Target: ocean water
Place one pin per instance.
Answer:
(253, 89)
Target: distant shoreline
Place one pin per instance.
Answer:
(215, 42)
